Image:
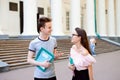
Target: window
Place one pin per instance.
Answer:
(41, 11)
(13, 6)
(67, 20)
(49, 12)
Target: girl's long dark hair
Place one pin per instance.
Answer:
(84, 39)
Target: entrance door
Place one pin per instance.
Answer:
(21, 17)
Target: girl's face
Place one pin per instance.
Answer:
(75, 37)
(48, 28)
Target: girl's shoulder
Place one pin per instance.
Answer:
(85, 52)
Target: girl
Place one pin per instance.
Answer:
(81, 56)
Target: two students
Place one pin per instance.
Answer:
(80, 53)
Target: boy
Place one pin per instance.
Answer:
(44, 40)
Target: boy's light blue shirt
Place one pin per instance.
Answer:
(49, 45)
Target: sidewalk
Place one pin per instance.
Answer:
(107, 67)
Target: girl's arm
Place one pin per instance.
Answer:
(72, 67)
(90, 69)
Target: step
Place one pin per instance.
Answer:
(14, 58)
(11, 51)
(19, 65)
(17, 61)
(9, 56)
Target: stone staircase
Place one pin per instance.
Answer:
(104, 47)
(14, 52)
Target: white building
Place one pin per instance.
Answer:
(19, 17)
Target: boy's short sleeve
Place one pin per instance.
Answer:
(31, 47)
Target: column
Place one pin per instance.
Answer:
(1, 17)
(56, 13)
(1, 33)
(4, 15)
(111, 18)
(75, 14)
(30, 18)
(90, 20)
(102, 18)
(118, 17)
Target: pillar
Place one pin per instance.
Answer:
(102, 18)
(118, 17)
(56, 13)
(111, 18)
(30, 18)
(90, 21)
(75, 14)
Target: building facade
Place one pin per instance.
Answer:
(97, 17)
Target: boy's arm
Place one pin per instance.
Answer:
(31, 60)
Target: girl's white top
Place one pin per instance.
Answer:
(80, 61)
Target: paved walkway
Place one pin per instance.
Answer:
(107, 67)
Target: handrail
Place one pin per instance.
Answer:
(97, 34)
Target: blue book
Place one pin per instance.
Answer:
(44, 55)
(71, 61)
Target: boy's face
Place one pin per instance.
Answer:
(47, 29)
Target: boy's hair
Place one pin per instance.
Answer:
(41, 22)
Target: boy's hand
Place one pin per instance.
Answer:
(59, 55)
(46, 64)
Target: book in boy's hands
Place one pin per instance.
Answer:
(44, 55)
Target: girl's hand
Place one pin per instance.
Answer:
(72, 67)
